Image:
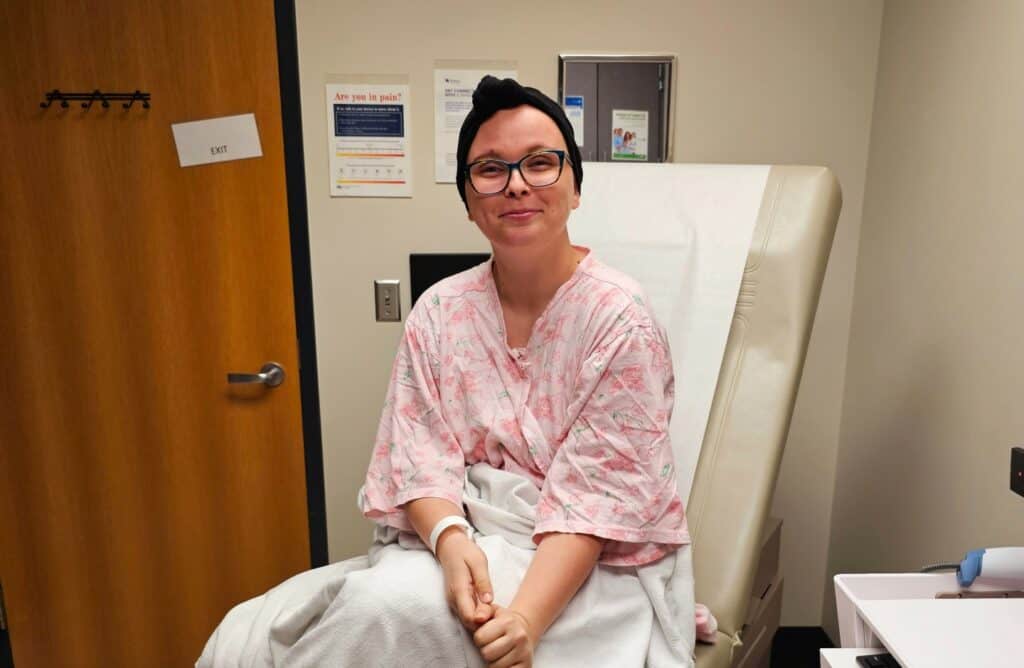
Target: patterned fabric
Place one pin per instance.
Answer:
(582, 411)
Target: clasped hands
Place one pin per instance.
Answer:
(504, 636)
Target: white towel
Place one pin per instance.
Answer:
(388, 608)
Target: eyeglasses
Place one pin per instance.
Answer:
(538, 169)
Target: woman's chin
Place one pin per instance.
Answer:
(519, 237)
(508, 234)
(511, 233)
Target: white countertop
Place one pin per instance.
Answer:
(974, 633)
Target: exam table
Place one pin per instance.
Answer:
(748, 422)
(754, 397)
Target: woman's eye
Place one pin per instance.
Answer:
(489, 170)
(540, 162)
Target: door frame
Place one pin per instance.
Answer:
(302, 278)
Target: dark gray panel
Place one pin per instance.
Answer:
(629, 86)
(425, 269)
(581, 79)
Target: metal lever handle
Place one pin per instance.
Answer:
(271, 374)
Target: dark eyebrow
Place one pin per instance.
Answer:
(494, 154)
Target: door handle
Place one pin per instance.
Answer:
(271, 374)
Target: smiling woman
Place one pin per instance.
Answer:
(522, 476)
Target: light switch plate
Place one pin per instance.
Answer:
(385, 296)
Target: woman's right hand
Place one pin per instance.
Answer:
(467, 580)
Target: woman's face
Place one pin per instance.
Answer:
(521, 215)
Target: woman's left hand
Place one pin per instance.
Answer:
(506, 641)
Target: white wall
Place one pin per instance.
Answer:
(788, 81)
(934, 388)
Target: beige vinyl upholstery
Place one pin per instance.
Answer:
(757, 386)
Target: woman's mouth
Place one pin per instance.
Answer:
(520, 215)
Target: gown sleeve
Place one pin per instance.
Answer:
(415, 454)
(613, 475)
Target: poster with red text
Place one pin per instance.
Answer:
(368, 140)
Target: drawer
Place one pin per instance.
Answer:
(757, 636)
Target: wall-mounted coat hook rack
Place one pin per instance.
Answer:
(88, 99)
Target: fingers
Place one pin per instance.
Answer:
(465, 605)
(477, 562)
(503, 643)
(488, 633)
(461, 596)
(470, 593)
(510, 660)
(497, 650)
(483, 613)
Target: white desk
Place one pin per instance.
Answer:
(980, 633)
(899, 612)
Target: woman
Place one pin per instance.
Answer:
(524, 441)
(585, 378)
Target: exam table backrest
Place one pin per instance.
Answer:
(757, 385)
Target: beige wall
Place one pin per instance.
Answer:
(933, 391)
(781, 82)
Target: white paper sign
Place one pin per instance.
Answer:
(453, 98)
(574, 112)
(368, 132)
(217, 140)
(629, 134)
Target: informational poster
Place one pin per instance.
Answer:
(629, 134)
(368, 135)
(453, 98)
(574, 111)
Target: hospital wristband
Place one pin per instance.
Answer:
(444, 523)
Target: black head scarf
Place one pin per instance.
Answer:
(491, 96)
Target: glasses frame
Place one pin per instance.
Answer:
(562, 159)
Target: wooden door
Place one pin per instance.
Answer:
(141, 496)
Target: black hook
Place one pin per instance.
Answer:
(50, 97)
(95, 95)
(137, 95)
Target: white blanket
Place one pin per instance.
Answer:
(388, 608)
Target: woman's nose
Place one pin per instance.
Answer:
(516, 183)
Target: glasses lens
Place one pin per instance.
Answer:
(489, 176)
(541, 169)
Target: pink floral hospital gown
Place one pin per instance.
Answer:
(582, 411)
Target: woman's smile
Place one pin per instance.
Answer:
(520, 215)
